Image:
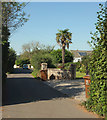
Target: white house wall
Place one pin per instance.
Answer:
(77, 59)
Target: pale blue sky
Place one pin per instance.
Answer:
(46, 18)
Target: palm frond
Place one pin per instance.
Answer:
(64, 37)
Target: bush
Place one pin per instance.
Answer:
(78, 65)
(85, 62)
(83, 65)
(36, 73)
(67, 65)
(57, 54)
(39, 58)
(82, 68)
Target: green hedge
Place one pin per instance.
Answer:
(97, 101)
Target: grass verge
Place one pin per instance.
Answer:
(80, 75)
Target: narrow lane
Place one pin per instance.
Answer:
(26, 97)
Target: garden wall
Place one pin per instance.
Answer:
(55, 73)
(58, 74)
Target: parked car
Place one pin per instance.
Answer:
(25, 66)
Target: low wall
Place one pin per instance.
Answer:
(54, 73)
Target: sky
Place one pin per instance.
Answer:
(47, 17)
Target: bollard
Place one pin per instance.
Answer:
(87, 85)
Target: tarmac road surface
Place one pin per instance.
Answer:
(26, 97)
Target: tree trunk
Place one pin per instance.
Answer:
(63, 55)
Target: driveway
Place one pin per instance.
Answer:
(26, 97)
(75, 89)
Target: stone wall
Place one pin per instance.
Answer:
(54, 73)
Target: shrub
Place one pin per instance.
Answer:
(67, 65)
(39, 58)
(84, 63)
(78, 65)
(36, 73)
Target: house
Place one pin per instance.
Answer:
(78, 54)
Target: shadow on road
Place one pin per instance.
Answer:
(22, 71)
(27, 89)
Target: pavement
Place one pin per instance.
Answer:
(26, 97)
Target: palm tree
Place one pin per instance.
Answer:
(63, 38)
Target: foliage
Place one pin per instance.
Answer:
(80, 75)
(63, 38)
(82, 68)
(57, 54)
(36, 73)
(5, 45)
(39, 58)
(28, 48)
(98, 65)
(67, 65)
(37, 53)
(20, 62)
(41, 54)
(12, 17)
(25, 55)
(31, 48)
(78, 65)
(84, 64)
(11, 60)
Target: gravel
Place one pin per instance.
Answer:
(75, 89)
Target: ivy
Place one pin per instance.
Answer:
(97, 102)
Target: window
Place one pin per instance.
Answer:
(82, 53)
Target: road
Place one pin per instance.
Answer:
(26, 97)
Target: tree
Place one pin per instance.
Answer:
(11, 59)
(5, 46)
(20, 62)
(63, 38)
(31, 48)
(98, 65)
(57, 54)
(41, 57)
(12, 17)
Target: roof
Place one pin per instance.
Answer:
(80, 53)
